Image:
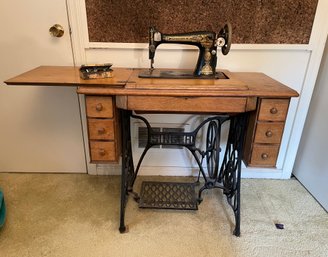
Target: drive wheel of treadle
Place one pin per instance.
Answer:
(212, 150)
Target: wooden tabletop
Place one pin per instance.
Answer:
(125, 81)
(66, 76)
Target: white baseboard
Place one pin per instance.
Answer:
(115, 169)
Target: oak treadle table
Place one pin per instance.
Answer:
(110, 102)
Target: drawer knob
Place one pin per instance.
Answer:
(269, 133)
(101, 131)
(273, 110)
(264, 156)
(102, 152)
(99, 107)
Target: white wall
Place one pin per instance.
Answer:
(269, 61)
(294, 65)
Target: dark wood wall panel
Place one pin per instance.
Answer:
(253, 21)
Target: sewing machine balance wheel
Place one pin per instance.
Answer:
(225, 34)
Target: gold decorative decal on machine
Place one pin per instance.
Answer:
(207, 69)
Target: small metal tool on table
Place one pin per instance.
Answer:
(96, 71)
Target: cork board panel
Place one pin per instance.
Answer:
(253, 21)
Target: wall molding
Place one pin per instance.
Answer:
(144, 46)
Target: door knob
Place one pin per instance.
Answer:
(56, 30)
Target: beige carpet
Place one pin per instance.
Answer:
(77, 215)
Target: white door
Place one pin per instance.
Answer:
(40, 127)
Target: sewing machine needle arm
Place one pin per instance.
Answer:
(151, 64)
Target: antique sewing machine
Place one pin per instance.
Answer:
(206, 41)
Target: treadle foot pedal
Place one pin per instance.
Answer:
(168, 195)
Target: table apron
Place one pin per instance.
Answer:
(187, 104)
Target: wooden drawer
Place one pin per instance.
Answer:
(101, 129)
(273, 109)
(264, 155)
(269, 132)
(103, 151)
(99, 106)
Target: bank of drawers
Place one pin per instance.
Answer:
(262, 147)
(102, 129)
(262, 140)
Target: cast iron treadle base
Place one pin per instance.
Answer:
(168, 195)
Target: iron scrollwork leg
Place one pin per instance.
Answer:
(230, 172)
(127, 165)
(228, 179)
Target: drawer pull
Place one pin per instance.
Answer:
(99, 107)
(102, 152)
(264, 156)
(101, 131)
(273, 110)
(269, 133)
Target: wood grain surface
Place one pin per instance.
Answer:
(127, 82)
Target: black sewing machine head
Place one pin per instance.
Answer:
(206, 41)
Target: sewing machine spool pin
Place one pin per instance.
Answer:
(206, 41)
